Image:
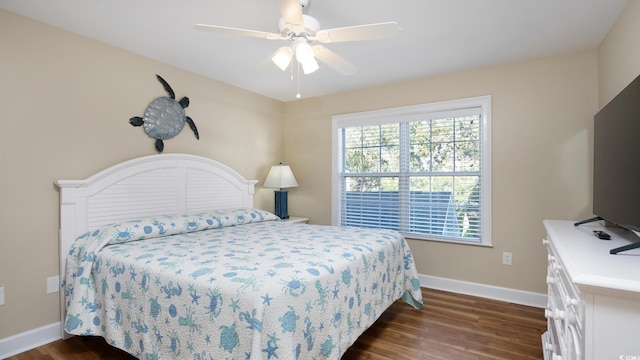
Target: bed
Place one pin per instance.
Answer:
(166, 258)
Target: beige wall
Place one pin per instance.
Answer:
(65, 102)
(619, 54)
(541, 136)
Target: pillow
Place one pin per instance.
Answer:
(222, 218)
(165, 225)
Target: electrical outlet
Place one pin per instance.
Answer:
(2, 295)
(507, 258)
(53, 284)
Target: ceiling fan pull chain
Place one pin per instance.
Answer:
(298, 94)
(292, 62)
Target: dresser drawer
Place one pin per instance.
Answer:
(564, 313)
(570, 297)
(574, 344)
(566, 294)
(556, 328)
(548, 345)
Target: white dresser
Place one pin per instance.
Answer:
(593, 309)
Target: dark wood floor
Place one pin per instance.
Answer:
(449, 327)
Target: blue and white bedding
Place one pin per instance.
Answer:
(234, 285)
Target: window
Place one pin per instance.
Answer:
(422, 170)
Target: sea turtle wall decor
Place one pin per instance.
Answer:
(165, 117)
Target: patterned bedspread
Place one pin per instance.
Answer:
(234, 285)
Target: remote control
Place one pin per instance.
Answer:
(602, 235)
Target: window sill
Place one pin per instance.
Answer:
(447, 241)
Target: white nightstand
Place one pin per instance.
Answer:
(297, 220)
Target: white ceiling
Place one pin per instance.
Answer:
(438, 36)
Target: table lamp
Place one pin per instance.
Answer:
(280, 176)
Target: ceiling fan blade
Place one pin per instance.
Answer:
(291, 12)
(333, 60)
(239, 32)
(359, 33)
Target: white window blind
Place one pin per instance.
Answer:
(421, 170)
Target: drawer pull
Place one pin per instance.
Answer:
(554, 314)
(551, 280)
(545, 242)
(571, 301)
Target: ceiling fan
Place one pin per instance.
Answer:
(303, 34)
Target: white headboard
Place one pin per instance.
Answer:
(161, 184)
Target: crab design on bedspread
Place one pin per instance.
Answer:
(165, 117)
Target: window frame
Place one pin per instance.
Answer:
(416, 113)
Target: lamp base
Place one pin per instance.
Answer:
(281, 199)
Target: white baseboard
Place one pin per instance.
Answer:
(28, 340)
(43, 335)
(486, 291)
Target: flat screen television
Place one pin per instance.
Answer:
(616, 159)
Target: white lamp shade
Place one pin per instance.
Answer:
(280, 176)
(304, 55)
(282, 58)
(310, 66)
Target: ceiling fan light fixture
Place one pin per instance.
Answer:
(283, 57)
(304, 55)
(310, 66)
(303, 33)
